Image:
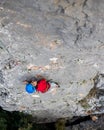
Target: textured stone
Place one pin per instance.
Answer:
(62, 37)
(88, 124)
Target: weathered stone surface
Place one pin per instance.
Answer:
(63, 37)
(88, 125)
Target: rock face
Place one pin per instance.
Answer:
(63, 39)
(88, 125)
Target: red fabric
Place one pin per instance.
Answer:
(43, 86)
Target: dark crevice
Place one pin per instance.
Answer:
(86, 16)
(1, 77)
(79, 32)
(77, 120)
(60, 10)
(92, 29)
(78, 37)
(73, 4)
(94, 122)
(67, 1)
(2, 2)
(85, 3)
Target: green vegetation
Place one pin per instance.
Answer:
(92, 93)
(20, 121)
(60, 124)
(84, 103)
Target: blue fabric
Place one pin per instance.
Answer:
(30, 88)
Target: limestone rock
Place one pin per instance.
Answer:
(63, 39)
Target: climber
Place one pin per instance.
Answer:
(40, 84)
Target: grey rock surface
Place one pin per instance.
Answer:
(89, 125)
(64, 38)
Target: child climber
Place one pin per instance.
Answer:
(41, 85)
